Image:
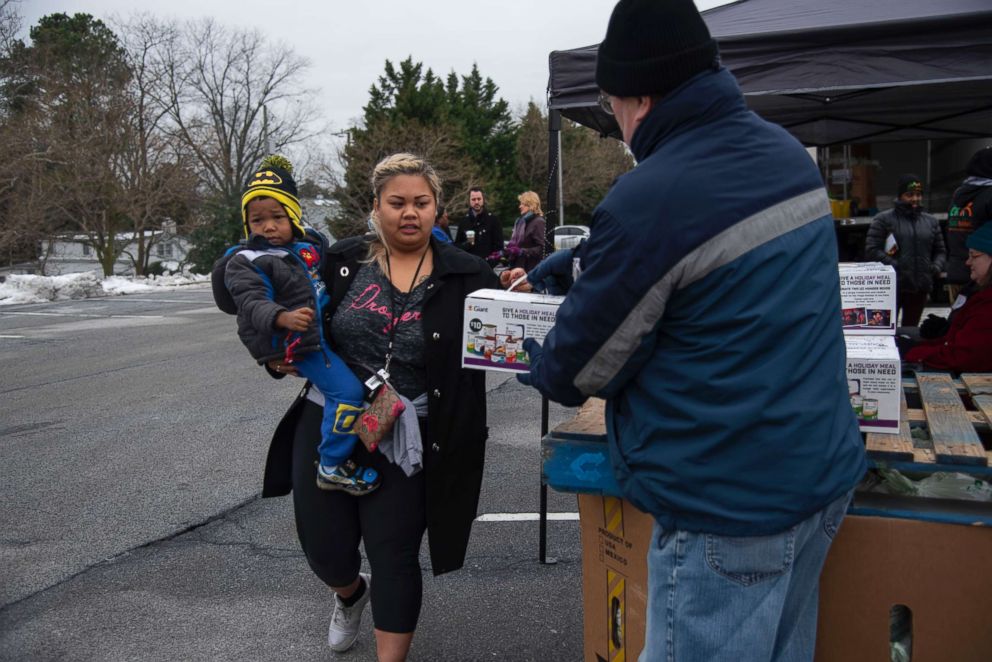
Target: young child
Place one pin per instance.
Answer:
(274, 278)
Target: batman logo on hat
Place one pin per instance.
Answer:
(265, 177)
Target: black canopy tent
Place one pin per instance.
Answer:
(835, 72)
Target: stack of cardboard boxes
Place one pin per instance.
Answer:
(868, 316)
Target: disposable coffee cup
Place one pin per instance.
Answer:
(470, 236)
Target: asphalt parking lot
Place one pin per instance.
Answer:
(132, 442)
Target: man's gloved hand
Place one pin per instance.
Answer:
(933, 326)
(533, 349)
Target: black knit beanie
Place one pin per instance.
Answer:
(652, 47)
(909, 182)
(274, 179)
(980, 164)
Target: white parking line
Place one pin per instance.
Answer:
(525, 517)
(14, 337)
(19, 312)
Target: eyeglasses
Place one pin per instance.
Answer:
(604, 103)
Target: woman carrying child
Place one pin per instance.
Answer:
(398, 293)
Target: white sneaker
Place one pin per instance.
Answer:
(345, 621)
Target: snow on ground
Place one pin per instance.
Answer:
(38, 289)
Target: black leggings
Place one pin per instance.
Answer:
(391, 521)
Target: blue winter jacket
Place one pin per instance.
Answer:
(707, 315)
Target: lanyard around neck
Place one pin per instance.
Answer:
(395, 317)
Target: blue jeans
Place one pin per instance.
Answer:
(342, 402)
(742, 599)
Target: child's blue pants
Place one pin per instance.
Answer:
(342, 402)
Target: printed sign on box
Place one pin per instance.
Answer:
(867, 298)
(874, 381)
(496, 323)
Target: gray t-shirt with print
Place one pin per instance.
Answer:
(360, 330)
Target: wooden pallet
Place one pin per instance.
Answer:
(953, 429)
(576, 459)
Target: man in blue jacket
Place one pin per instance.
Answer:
(706, 314)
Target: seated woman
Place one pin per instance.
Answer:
(967, 344)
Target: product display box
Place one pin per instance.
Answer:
(867, 298)
(615, 541)
(939, 572)
(874, 382)
(496, 323)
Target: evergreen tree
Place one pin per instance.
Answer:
(67, 95)
(460, 125)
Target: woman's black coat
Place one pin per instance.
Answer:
(455, 446)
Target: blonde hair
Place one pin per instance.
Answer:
(401, 163)
(531, 199)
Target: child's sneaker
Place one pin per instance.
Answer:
(347, 477)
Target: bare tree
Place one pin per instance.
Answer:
(157, 173)
(25, 193)
(589, 163)
(232, 97)
(10, 24)
(66, 103)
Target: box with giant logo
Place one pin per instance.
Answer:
(496, 323)
(867, 298)
(874, 382)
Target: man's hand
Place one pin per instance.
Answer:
(533, 349)
(507, 278)
(295, 320)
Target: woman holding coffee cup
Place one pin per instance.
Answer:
(397, 292)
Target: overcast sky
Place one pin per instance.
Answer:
(348, 41)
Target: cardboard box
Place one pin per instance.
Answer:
(615, 541)
(874, 382)
(496, 323)
(939, 571)
(867, 298)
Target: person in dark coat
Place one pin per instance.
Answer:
(526, 246)
(910, 240)
(479, 232)
(710, 330)
(971, 208)
(399, 277)
(966, 346)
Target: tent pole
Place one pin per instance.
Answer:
(561, 187)
(826, 166)
(847, 168)
(554, 198)
(554, 206)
